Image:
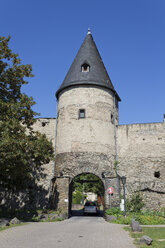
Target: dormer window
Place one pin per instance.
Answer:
(85, 67)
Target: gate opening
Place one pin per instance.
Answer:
(85, 188)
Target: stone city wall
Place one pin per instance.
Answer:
(141, 152)
(87, 145)
(46, 126)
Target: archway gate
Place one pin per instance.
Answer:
(62, 192)
(85, 187)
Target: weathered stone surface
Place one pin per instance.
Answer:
(95, 133)
(84, 145)
(63, 216)
(74, 163)
(43, 216)
(110, 218)
(145, 240)
(88, 145)
(135, 226)
(15, 221)
(141, 153)
(4, 222)
(53, 216)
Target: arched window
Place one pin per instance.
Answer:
(85, 67)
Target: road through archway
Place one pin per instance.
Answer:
(85, 187)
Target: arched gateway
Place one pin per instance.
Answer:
(85, 187)
(87, 119)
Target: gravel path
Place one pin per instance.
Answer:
(77, 232)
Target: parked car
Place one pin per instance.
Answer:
(91, 208)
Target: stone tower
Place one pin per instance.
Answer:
(87, 116)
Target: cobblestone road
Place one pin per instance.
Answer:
(77, 232)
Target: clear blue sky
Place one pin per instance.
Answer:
(130, 36)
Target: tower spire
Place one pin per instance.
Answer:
(87, 68)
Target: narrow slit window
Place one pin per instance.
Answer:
(85, 68)
(81, 113)
(112, 119)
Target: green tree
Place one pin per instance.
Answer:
(82, 183)
(22, 150)
(77, 197)
(135, 203)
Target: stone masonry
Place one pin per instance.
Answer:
(46, 126)
(85, 145)
(141, 159)
(141, 151)
(92, 144)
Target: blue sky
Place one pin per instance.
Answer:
(129, 34)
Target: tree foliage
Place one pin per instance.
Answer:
(22, 150)
(77, 197)
(135, 203)
(82, 183)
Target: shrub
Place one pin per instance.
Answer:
(123, 220)
(135, 203)
(142, 219)
(114, 211)
(150, 220)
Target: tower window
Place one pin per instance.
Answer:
(85, 68)
(44, 124)
(157, 174)
(112, 119)
(81, 113)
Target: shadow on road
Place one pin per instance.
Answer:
(80, 213)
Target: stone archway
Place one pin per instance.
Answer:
(70, 165)
(85, 186)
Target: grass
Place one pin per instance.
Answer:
(34, 219)
(143, 217)
(7, 227)
(156, 233)
(48, 220)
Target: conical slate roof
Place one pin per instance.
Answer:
(97, 74)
